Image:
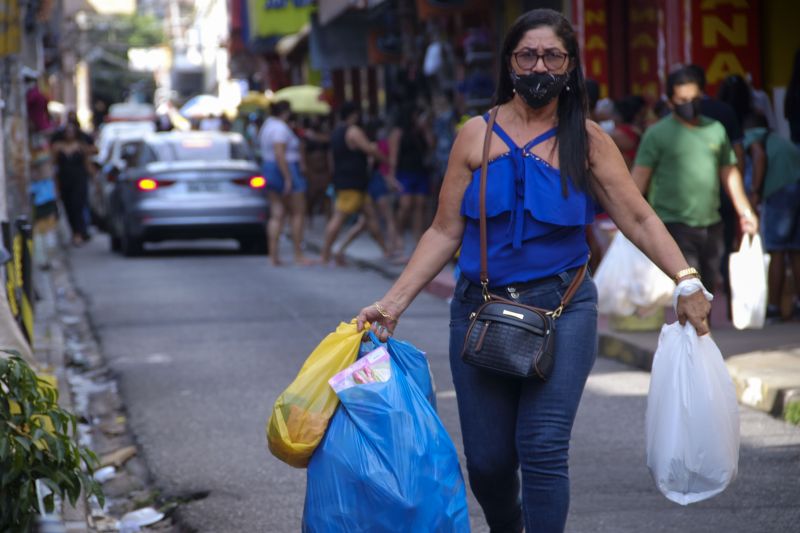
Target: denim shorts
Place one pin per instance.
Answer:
(416, 183)
(272, 173)
(513, 425)
(377, 186)
(780, 220)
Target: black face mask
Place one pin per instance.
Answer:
(539, 88)
(688, 111)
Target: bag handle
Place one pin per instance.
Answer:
(576, 281)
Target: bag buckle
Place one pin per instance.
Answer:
(485, 290)
(556, 312)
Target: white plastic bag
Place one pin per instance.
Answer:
(692, 417)
(628, 282)
(748, 275)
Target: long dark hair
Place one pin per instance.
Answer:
(571, 137)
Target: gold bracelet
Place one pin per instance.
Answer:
(384, 313)
(691, 271)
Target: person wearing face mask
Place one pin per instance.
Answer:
(681, 162)
(548, 169)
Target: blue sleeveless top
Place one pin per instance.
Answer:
(533, 231)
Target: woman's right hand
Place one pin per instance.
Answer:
(381, 320)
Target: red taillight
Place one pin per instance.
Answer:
(151, 184)
(254, 182)
(146, 184)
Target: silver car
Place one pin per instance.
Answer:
(185, 185)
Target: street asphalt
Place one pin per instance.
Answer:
(202, 340)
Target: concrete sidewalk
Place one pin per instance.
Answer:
(764, 364)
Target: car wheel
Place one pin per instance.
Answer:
(253, 245)
(129, 245)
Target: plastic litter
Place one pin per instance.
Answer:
(135, 520)
(101, 475)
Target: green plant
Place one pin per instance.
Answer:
(36, 444)
(792, 412)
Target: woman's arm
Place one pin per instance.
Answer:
(283, 165)
(440, 242)
(621, 198)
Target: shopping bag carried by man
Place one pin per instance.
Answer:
(748, 274)
(302, 412)
(692, 417)
(386, 463)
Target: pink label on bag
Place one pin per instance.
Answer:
(375, 367)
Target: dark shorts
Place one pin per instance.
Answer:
(414, 182)
(780, 220)
(702, 248)
(45, 210)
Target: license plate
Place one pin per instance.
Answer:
(203, 186)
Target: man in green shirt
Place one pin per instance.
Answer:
(680, 163)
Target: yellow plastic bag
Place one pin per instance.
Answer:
(301, 413)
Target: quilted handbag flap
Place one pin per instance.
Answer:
(516, 315)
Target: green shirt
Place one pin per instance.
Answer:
(685, 162)
(783, 160)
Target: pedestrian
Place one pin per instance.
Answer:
(540, 195)
(316, 144)
(71, 157)
(776, 190)
(409, 145)
(629, 115)
(444, 132)
(791, 101)
(350, 150)
(682, 160)
(286, 185)
(722, 112)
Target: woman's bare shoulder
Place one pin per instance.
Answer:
(599, 140)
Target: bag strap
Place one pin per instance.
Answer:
(576, 281)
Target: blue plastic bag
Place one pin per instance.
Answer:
(410, 359)
(386, 463)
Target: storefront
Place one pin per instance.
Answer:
(629, 46)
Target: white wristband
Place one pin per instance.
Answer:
(689, 286)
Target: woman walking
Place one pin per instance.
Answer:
(71, 157)
(409, 144)
(546, 166)
(286, 185)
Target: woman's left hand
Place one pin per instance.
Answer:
(695, 308)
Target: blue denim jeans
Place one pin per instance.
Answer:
(510, 425)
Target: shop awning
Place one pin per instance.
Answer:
(288, 43)
(331, 9)
(340, 44)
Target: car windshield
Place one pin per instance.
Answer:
(202, 149)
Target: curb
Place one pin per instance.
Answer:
(628, 353)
